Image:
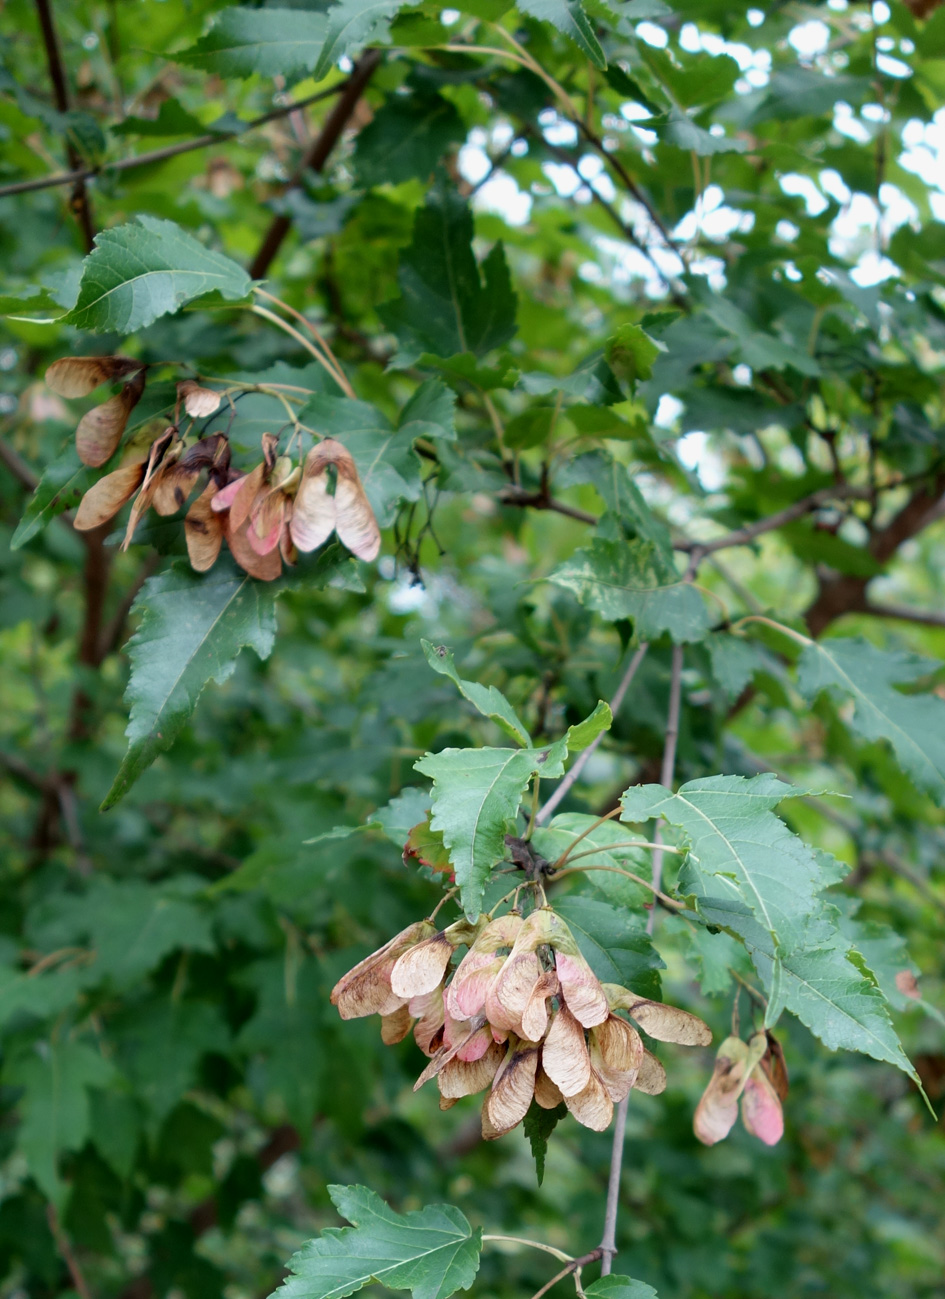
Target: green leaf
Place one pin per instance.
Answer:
(490, 701)
(447, 305)
(569, 17)
(133, 926)
(172, 119)
(538, 1126)
(476, 795)
(192, 629)
(284, 1034)
(55, 1106)
(430, 412)
(387, 463)
(914, 725)
(432, 1252)
(620, 1287)
(410, 135)
(584, 733)
(270, 42)
(145, 269)
(353, 24)
(622, 579)
(160, 1046)
(64, 482)
(734, 661)
(39, 301)
(614, 942)
(820, 983)
(736, 841)
(630, 353)
(41, 995)
(679, 129)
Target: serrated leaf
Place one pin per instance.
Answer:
(432, 1252)
(425, 846)
(398, 817)
(270, 42)
(410, 135)
(55, 1106)
(489, 700)
(145, 269)
(679, 129)
(430, 412)
(476, 794)
(737, 842)
(570, 19)
(352, 24)
(38, 301)
(144, 1032)
(133, 926)
(620, 1287)
(192, 628)
(819, 984)
(914, 725)
(42, 995)
(621, 579)
(448, 305)
(614, 942)
(538, 1126)
(64, 482)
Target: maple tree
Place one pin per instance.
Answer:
(550, 398)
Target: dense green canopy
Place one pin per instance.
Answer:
(619, 326)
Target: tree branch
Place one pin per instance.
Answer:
(316, 156)
(924, 617)
(806, 505)
(80, 200)
(168, 151)
(543, 500)
(581, 762)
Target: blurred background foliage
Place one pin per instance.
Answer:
(762, 190)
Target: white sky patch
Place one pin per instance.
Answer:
(881, 13)
(796, 185)
(787, 231)
(473, 163)
(668, 411)
(696, 453)
(652, 34)
(847, 123)
(873, 268)
(450, 16)
(810, 38)
(501, 194)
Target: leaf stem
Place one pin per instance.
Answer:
(778, 626)
(666, 900)
(608, 816)
(284, 325)
(339, 374)
(534, 1244)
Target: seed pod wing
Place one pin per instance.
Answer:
(100, 429)
(77, 376)
(203, 529)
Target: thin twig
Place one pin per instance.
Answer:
(666, 900)
(923, 617)
(541, 500)
(167, 151)
(573, 1267)
(66, 1253)
(340, 375)
(316, 156)
(18, 467)
(669, 760)
(608, 1244)
(80, 200)
(581, 762)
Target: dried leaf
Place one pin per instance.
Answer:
(421, 969)
(203, 530)
(592, 1107)
(265, 567)
(581, 989)
(461, 1078)
(395, 1026)
(103, 501)
(718, 1107)
(761, 1109)
(77, 376)
(507, 998)
(365, 989)
(198, 401)
(564, 1056)
(513, 1088)
(100, 429)
(535, 1014)
(651, 1078)
(666, 1023)
(547, 1094)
